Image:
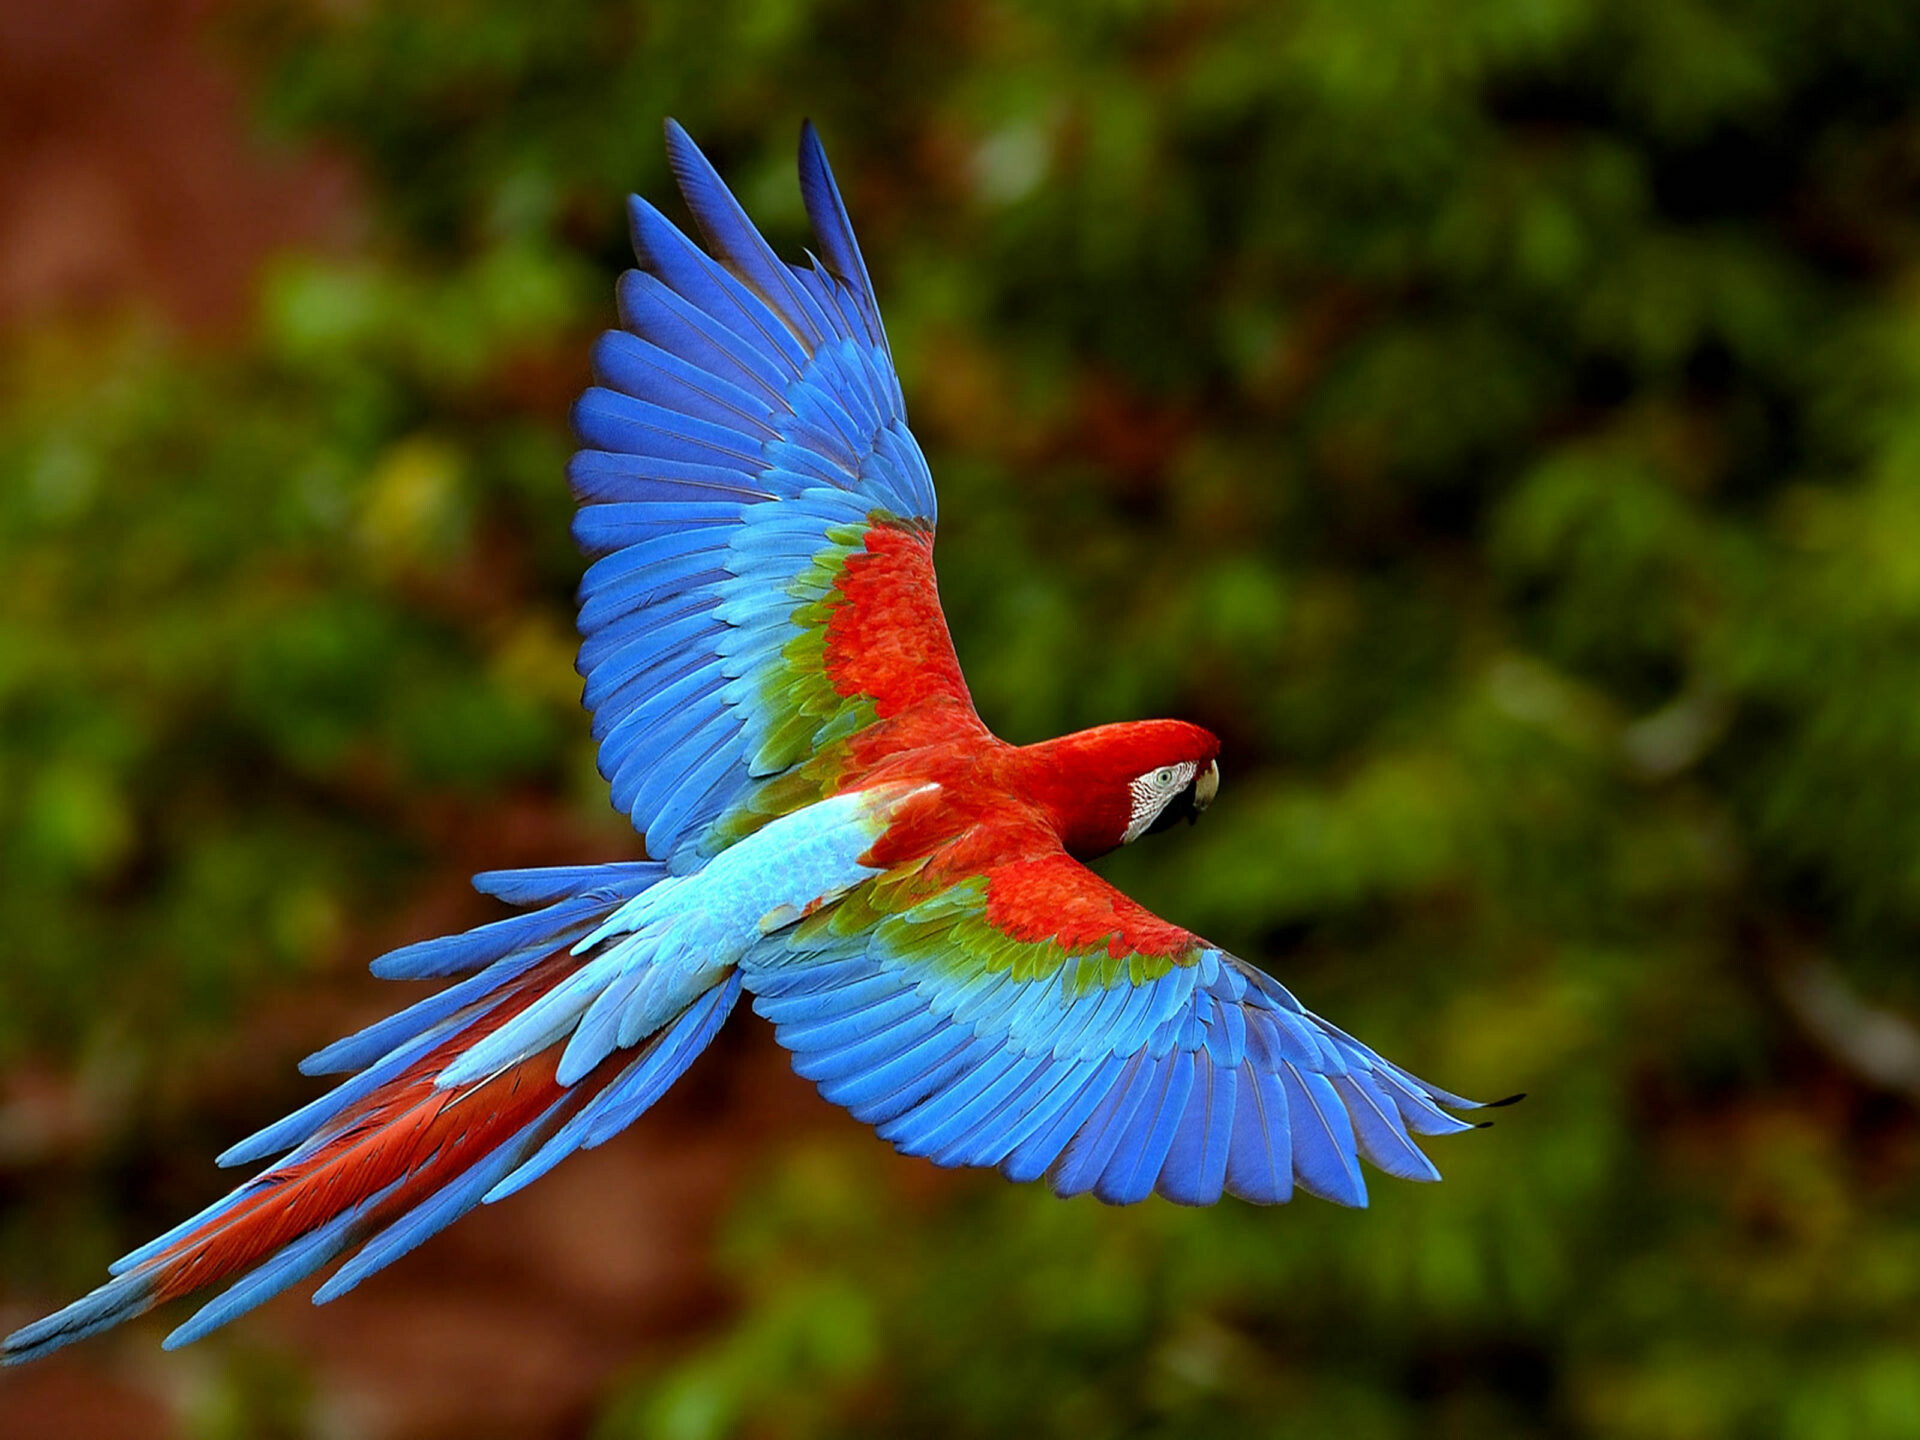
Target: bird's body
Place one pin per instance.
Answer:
(830, 828)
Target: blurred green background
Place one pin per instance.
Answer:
(1499, 420)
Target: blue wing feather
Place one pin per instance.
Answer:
(1032, 1157)
(1206, 1077)
(1325, 1155)
(746, 409)
(641, 368)
(755, 334)
(649, 306)
(1142, 1152)
(736, 243)
(1195, 1172)
(827, 212)
(1260, 1153)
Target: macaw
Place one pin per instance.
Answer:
(828, 827)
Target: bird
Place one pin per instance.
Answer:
(829, 829)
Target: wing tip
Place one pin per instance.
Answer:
(833, 228)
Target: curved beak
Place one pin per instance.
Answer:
(1206, 785)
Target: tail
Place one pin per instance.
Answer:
(401, 1150)
(470, 1094)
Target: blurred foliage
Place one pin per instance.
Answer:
(1499, 420)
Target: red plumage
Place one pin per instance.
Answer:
(888, 639)
(406, 1130)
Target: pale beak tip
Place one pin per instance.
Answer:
(1206, 785)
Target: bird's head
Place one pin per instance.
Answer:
(1109, 786)
(1168, 794)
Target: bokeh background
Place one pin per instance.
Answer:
(1498, 419)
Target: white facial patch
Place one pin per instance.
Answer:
(1151, 792)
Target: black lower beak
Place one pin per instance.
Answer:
(1181, 807)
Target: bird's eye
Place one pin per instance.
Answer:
(1163, 776)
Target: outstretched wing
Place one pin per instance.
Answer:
(763, 522)
(1034, 1018)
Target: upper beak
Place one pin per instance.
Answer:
(1206, 785)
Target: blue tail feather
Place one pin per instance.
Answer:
(661, 1061)
(289, 1266)
(119, 1299)
(545, 884)
(433, 1215)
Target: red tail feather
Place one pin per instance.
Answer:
(406, 1131)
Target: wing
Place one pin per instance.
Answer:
(763, 523)
(1034, 1018)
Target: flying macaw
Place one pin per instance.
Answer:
(829, 827)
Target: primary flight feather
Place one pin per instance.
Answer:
(831, 829)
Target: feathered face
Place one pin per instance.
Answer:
(1167, 794)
